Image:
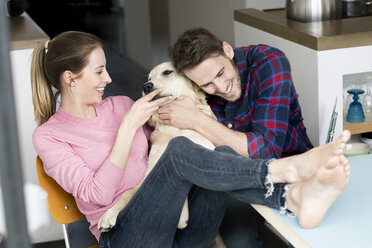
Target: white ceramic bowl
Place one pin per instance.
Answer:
(355, 149)
(367, 138)
(368, 142)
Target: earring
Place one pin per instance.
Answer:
(72, 84)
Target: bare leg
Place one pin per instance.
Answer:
(311, 199)
(304, 166)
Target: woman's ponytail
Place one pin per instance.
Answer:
(43, 98)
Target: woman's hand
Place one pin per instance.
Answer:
(142, 109)
(151, 122)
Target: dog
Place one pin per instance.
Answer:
(173, 84)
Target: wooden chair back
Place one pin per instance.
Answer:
(62, 205)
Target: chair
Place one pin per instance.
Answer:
(62, 207)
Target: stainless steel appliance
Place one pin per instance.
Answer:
(313, 10)
(356, 8)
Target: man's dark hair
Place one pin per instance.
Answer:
(193, 47)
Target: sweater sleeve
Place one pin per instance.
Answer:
(64, 165)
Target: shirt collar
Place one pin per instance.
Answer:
(238, 55)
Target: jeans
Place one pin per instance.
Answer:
(241, 223)
(186, 169)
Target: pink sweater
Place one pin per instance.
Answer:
(75, 150)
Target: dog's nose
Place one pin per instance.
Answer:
(148, 87)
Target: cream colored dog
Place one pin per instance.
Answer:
(173, 84)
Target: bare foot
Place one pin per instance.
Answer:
(304, 166)
(310, 200)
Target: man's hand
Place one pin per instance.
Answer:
(206, 109)
(181, 113)
(185, 114)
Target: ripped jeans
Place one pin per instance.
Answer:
(185, 169)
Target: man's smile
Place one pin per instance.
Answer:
(229, 88)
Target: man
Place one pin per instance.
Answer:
(251, 94)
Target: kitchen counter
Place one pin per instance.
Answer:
(346, 224)
(321, 55)
(325, 35)
(25, 33)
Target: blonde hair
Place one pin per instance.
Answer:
(67, 51)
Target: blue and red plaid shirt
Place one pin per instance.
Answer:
(268, 111)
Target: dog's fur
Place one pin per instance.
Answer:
(162, 76)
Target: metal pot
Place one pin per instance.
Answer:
(355, 8)
(313, 10)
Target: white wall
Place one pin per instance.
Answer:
(159, 26)
(215, 15)
(265, 4)
(150, 31)
(147, 31)
(21, 64)
(137, 32)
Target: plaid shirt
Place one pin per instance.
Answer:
(268, 111)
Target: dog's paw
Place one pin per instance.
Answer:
(182, 223)
(108, 220)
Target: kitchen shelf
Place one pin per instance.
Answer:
(357, 128)
(25, 33)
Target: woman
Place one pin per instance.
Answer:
(97, 149)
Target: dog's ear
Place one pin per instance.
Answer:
(198, 92)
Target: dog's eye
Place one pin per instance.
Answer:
(167, 72)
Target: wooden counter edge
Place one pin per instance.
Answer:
(27, 44)
(294, 31)
(25, 33)
(279, 225)
(358, 128)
